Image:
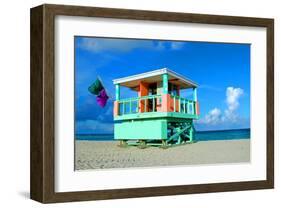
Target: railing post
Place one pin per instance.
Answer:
(116, 102)
(116, 108)
(130, 107)
(195, 94)
(166, 98)
(195, 110)
(174, 104)
(117, 92)
(165, 81)
(145, 105)
(169, 104)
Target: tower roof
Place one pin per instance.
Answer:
(155, 76)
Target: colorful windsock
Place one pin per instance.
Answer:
(97, 89)
(102, 98)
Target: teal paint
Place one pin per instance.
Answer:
(195, 94)
(141, 129)
(191, 133)
(155, 115)
(165, 79)
(155, 127)
(117, 92)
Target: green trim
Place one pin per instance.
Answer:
(165, 81)
(139, 98)
(155, 115)
(126, 105)
(117, 92)
(195, 94)
(177, 135)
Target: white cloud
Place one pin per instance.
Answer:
(125, 45)
(232, 101)
(159, 45)
(215, 115)
(232, 96)
(177, 45)
(99, 45)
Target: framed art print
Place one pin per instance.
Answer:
(129, 103)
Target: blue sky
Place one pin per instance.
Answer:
(222, 71)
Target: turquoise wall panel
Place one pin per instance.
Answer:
(142, 129)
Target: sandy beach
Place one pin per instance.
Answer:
(106, 154)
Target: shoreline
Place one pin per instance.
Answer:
(91, 154)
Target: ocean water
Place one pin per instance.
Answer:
(223, 134)
(199, 136)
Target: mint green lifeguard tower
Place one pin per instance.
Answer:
(159, 116)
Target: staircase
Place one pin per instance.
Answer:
(180, 133)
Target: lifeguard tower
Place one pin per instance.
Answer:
(159, 116)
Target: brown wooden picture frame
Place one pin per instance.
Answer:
(42, 144)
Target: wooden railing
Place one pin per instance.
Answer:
(142, 104)
(183, 105)
(153, 103)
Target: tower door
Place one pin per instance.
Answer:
(152, 90)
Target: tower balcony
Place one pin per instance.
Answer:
(155, 106)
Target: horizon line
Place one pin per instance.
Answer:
(196, 131)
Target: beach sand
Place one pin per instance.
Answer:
(106, 154)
